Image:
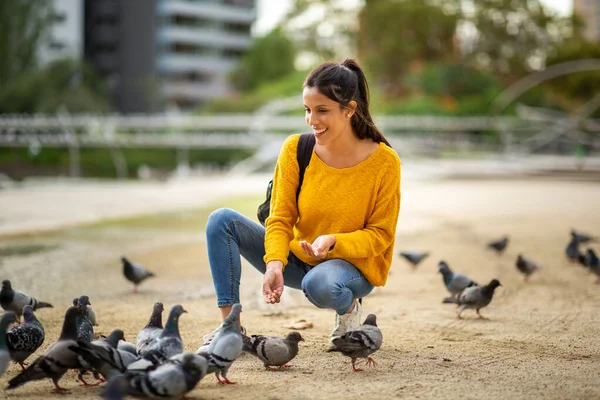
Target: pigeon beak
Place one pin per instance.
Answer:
(182, 310)
(302, 340)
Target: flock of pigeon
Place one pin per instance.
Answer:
(156, 366)
(467, 294)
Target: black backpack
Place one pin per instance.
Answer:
(303, 154)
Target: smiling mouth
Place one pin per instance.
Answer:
(319, 131)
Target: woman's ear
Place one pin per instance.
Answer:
(351, 108)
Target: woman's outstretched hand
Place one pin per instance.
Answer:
(273, 282)
(320, 247)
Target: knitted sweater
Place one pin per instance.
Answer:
(358, 205)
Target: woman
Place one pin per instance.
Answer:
(336, 241)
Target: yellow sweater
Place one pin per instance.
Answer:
(358, 205)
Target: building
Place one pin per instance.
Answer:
(65, 37)
(589, 12)
(159, 54)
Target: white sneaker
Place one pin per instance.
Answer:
(345, 323)
(208, 338)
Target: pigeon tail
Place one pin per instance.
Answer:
(43, 304)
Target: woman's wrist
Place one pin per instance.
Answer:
(275, 264)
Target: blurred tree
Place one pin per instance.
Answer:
(322, 29)
(511, 37)
(24, 26)
(62, 83)
(399, 36)
(270, 58)
(574, 89)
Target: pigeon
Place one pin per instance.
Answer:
(169, 342)
(23, 340)
(499, 245)
(128, 347)
(526, 266)
(476, 297)
(582, 237)
(135, 273)
(173, 379)
(454, 282)
(14, 300)
(7, 318)
(226, 346)
(593, 263)
(57, 359)
(271, 350)
(152, 330)
(360, 343)
(90, 312)
(572, 250)
(414, 257)
(104, 357)
(85, 331)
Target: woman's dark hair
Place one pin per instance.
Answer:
(343, 83)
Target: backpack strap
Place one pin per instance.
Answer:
(303, 155)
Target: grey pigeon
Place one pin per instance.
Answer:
(152, 330)
(476, 297)
(172, 379)
(360, 343)
(572, 250)
(526, 266)
(23, 340)
(169, 342)
(14, 300)
(593, 263)
(57, 358)
(109, 343)
(7, 318)
(135, 273)
(85, 330)
(454, 282)
(104, 357)
(582, 237)
(414, 257)
(271, 350)
(128, 347)
(499, 245)
(90, 312)
(226, 346)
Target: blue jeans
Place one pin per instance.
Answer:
(331, 284)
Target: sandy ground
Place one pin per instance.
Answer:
(540, 341)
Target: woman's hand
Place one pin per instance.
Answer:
(273, 282)
(320, 247)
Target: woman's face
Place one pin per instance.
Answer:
(325, 116)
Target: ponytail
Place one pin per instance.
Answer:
(343, 83)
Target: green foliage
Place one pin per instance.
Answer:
(18, 163)
(271, 57)
(62, 83)
(396, 36)
(513, 37)
(578, 88)
(289, 85)
(322, 29)
(457, 80)
(24, 25)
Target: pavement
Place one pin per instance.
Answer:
(46, 204)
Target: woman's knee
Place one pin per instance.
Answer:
(219, 219)
(319, 289)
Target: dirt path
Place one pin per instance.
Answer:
(541, 339)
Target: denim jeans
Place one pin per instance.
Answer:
(331, 284)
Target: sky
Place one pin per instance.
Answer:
(271, 11)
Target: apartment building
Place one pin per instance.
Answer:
(158, 54)
(65, 36)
